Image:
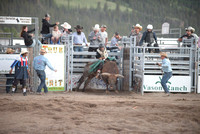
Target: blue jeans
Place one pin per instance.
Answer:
(34, 42)
(78, 49)
(165, 78)
(49, 35)
(41, 74)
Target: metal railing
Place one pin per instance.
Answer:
(76, 61)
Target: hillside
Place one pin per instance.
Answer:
(118, 15)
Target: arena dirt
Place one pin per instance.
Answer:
(97, 113)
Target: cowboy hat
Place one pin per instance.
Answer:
(190, 29)
(47, 15)
(150, 27)
(104, 26)
(96, 27)
(138, 26)
(23, 52)
(78, 27)
(9, 50)
(66, 25)
(163, 54)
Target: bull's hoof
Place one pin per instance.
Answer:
(116, 91)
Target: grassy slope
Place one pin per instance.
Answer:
(90, 4)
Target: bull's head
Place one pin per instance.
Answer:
(112, 79)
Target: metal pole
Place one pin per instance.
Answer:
(72, 62)
(35, 53)
(130, 65)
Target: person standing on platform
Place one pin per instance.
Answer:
(104, 35)
(79, 39)
(39, 65)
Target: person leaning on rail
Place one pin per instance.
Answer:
(166, 68)
(21, 71)
(28, 37)
(150, 37)
(79, 39)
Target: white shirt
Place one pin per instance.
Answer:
(104, 35)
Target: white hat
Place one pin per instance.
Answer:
(66, 25)
(96, 27)
(150, 26)
(23, 52)
(190, 29)
(138, 26)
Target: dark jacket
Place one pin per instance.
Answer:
(147, 37)
(46, 26)
(27, 38)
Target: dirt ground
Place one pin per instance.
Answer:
(97, 113)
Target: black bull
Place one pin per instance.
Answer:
(110, 73)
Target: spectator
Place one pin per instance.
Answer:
(95, 39)
(79, 39)
(56, 34)
(45, 28)
(114, 46)
(9, 80)
(39, 65)
(136, 32)
(29, 42)
(65, 31)
(188, 35)
(21, 71)
(104, 35)
(149, 37)
(195, 35)
(166, 68)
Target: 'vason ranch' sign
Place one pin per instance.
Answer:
(152, 83)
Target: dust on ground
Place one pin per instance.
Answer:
(97, 113)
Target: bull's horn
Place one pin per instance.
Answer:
(119, 75)
(106, 74)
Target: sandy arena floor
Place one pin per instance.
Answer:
(97, 113)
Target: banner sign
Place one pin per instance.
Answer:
(15, 20)
(55, 80)
(152, 83)
(6, 61)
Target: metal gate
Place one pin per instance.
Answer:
(143, 68)
(76, 62)
(198, 71)
(33, 81)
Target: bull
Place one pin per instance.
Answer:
(110, 74)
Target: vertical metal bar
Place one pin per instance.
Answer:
(11, 42)
(65, 66)
(130, 65)
(35, 53)
(72, 62)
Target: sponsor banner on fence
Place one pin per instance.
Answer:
(6, 61)
(55, 80)
(198, 88)
(94, 83)
(15, 20)
(152, 83)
